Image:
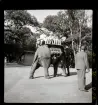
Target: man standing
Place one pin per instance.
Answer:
(81, 64)
(68, 55)
(42, 58)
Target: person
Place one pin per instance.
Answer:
(42, 58)
(81, 64)
(67, 57)
(5, 60)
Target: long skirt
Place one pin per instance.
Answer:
(81, 78)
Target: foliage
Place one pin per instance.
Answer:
(21, 17)
(50, 23)
(14, 30)
(71, 24)
(67, 21)
(30, 43)
(57, 24)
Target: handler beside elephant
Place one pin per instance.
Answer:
(81, 64)
(42, 58)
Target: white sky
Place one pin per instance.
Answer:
(42, 14)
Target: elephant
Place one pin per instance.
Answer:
(56, 63)
(65, 59)
(60, 59)
(54, 59)
(42, 58)
(45, 63)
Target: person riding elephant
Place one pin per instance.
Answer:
(42, 58)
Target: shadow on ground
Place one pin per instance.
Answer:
(58, 75)
(51, 76)
(73, 73)
(14, 65)
(87, 87)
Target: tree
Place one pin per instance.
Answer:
(73, 24)
(69, 23)
(14, 30)
(78, 22)
(50, 23)
(31, 43)
(14, 21)
(57, 24)
(20, 17)
(62, 23)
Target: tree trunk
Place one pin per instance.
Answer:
(72, 42)
(80, 38)
(72, 38)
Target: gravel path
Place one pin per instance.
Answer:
(19, 89)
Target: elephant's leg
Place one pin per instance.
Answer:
(68, 70)
(64, 70)
(46, 73)
(55, 69)
(45, 62)
(33, 69)
(63, 65)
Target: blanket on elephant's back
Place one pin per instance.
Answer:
(56, 49)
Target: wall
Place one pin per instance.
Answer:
(28, 59)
